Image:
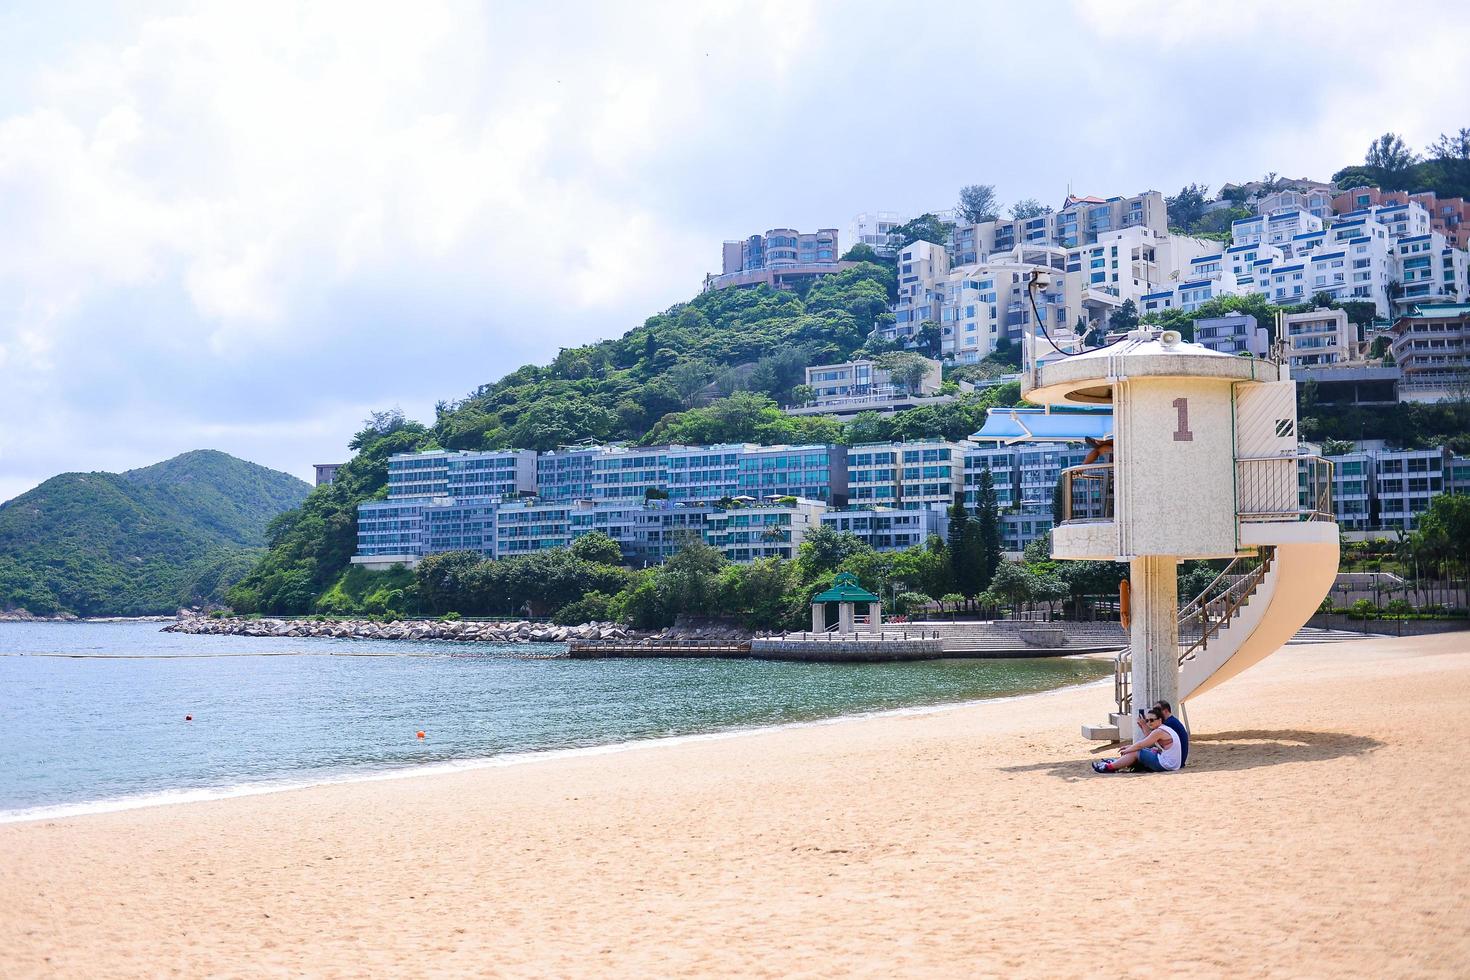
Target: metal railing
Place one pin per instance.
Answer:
(1283, 488)
(1202, 618)
(1267, 488)
(1087, 493)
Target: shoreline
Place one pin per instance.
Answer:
(206, 794)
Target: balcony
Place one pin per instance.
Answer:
(1268, 490)
(1283, 488)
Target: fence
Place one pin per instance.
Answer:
(1387, 627)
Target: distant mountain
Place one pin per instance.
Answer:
(146, 541)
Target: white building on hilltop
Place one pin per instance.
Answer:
(875, 230)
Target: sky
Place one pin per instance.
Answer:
(245, 227)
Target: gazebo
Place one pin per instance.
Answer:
(847, 593)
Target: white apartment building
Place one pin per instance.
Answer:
(1429, 270)
(1318, 337)
(1316, 202)
(1098, 254)
(982, 303)
(703, 473)
(883, 529)
(769, 530)
(921, 266)
(1273, 229)
(930, 473)
(1289, 258)
(875, 230)
(832, 384)
(1080, 221)
(1237, 333)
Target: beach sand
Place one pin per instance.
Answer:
(1322, 829)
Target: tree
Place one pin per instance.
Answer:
(1390, 154)
(907, 602)
(1188, 206)
(861, 252)
(1443, 536)
(1451, 147)
(825, 548)
(952, 599)
(925, 228)
(1124, 318)
(931, 339)
(689, 378)
(961, 530)
(987, 531)
(1029, 207)
(445, 580)
(597, 548)
(977, 203)
(1014, 581)
(904, 368)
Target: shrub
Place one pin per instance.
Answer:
(450, 617)
(1364, 609)
(592, 607)
(907, 602)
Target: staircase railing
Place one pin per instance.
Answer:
(1203, 617)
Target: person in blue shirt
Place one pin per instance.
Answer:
(1166, 712)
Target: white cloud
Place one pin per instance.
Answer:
(252, 223)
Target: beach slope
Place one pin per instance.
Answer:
(1319, 830)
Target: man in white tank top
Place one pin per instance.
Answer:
(1157, 751)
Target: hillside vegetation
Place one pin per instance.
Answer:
(146, 541)
(715, 369)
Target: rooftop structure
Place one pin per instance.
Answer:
(780, 258)
(862, 386)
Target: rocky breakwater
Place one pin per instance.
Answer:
(422, 629)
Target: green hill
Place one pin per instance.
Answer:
(145, 541)
(715, 369)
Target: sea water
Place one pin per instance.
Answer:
(93, 715)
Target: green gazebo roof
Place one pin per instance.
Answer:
(845, 588)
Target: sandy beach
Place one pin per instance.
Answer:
(1320, 830)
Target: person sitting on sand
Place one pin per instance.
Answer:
(1158, 751)
(1166, 712)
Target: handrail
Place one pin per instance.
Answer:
(1202, 606)
(1190, 606)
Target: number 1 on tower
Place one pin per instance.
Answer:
(1182, 434)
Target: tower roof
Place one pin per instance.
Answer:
(845, 588)
(1087, 378)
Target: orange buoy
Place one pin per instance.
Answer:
(1125, 605)
(421, 734)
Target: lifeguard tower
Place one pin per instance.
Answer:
(1204, 464)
